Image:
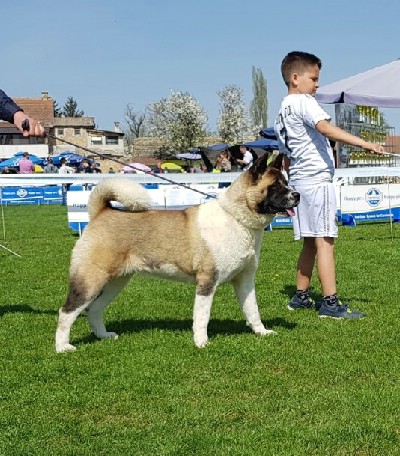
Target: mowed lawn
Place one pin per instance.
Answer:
(320, 387)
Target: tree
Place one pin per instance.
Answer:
(232, 123)
(70, 109)
(259, 104)
(179, 119)
(56, 109)
(136, 124)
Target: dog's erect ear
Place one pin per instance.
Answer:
(260, 166)
(270, 159)
(277, 162)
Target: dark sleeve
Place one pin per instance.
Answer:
(7, 107)
(206, 161)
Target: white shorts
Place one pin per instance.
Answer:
(315, 216)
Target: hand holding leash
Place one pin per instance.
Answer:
(27, 125)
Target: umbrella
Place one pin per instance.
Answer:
(268, 133)
(377, 87)
(136, 167)
(70, 157)
(263, 143)
(217, 147)
(171, 167)
(14, 161)
(188, 156)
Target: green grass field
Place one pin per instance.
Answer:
(320, 387)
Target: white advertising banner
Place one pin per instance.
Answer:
(364, 198)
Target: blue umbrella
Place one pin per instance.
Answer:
(217, 147)
(263, 143)
(268, 133)
(14, 161)
(70, 157)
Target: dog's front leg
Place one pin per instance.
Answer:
(244, 286)
(205, 291)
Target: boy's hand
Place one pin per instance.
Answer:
(375, 148)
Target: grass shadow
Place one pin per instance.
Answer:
(24, 308)
(214, 327)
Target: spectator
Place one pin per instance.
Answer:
(95, 168)
(50, 167)
(223, 162)
(64, 168)
(26, 165)
(8, 170)
(247, 159)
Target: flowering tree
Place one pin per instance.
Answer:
(233, 120)
(179, 119)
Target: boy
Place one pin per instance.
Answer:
(303, 130)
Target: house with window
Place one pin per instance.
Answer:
(81, 131)
(12, 141)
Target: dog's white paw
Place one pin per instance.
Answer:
(65, 348)
(200, 342)
(266, 332)
(107, 335)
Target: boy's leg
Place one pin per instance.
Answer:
(305, 266)
(330, 306)
(326, 264)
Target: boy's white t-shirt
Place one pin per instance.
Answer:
(310, 154)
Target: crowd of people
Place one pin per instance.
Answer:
(26, 166)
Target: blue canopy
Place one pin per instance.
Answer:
(13, 162)
(217, 147)
(70, 157)
(263, 143)
(268, 133)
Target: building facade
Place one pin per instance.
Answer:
(81, 131)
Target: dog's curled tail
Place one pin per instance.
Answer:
(131, 195)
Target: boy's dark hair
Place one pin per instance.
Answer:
(297, 62)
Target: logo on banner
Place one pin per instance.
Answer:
(373, 197)
(22, 193)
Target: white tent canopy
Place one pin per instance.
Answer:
(377, 87)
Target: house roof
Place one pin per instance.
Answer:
(74, 122)
(41, 109)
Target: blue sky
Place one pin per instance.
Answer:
(107, 54)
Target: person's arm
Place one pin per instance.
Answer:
(11, 112)
(337, 134)
(7, 107)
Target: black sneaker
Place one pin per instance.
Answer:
(296, 303)
(338, 311)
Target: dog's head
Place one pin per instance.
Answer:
(268, 189)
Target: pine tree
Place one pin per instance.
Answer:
(70, 108)
(56, 109)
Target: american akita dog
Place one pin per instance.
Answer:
(207, 245)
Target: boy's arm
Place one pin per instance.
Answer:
(337, 134)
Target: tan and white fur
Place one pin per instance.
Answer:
(206, 245)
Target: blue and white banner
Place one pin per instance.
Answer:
(367, 203)
(21, 195)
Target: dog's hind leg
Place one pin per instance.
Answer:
(245, 291)
(82, 292)
(96, 309)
